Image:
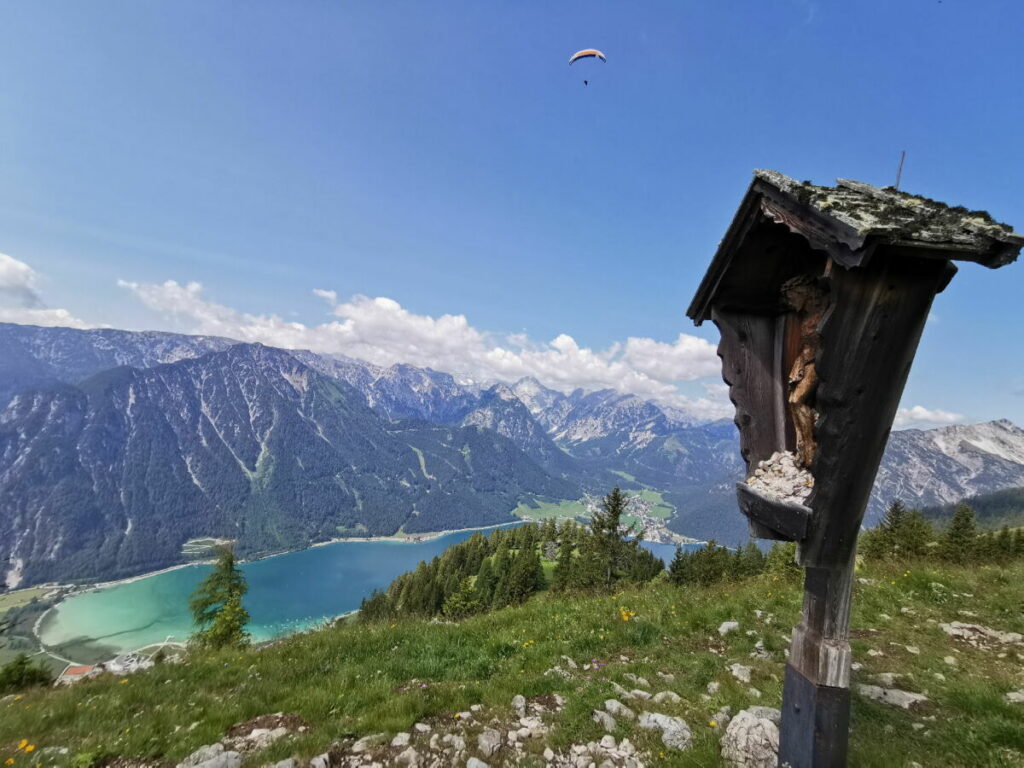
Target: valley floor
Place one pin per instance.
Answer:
(355, 679)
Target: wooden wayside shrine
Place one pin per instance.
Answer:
(821, 295)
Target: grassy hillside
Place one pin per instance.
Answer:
(352, 679)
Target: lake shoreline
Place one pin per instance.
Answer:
(70, 591)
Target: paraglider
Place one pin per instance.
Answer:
(587, 53)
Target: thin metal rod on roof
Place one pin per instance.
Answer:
(899, 170)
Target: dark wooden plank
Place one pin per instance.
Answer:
(747, 349)
(787, 520)
(868, 341)
(815, 719)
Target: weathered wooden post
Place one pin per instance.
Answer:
(820, 295)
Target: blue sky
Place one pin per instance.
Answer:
(445, 157)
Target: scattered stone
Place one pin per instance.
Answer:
(569, 662)
(401, 740)
(740, 672)
(752, 738)
(288, 762)
(206, 757)
(636, 693)
(980, 636)
(421, 728)
(1016, 697)
(781, 477)
(759, 651)
(668, 677)
(951, 661)
(365, 743)
(608, 741)
(728, 626)
(712, 688)
(874, 653)
(893, 696)
(603, 719)
(519, 703)
(637, 680)
(888, 679)
(408, 757)
(664, 696)
(476, 762)
(913, 649)
(675, 733)
(618, 709)
(488, 742)
(754, 692)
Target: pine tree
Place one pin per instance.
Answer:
(680, 569)
(21, 673)
(915, 534)
(959, 543)
(216, 605)
(463, 602)
(485, 582)
(563, 575)
(610, 544)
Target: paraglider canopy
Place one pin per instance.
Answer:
(587, 53)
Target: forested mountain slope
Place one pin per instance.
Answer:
(111, 477)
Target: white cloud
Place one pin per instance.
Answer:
(383, 332)
(18, 284)
(20, 300)
(923, 418)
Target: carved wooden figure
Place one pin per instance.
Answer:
(821, 295)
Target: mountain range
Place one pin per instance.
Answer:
(117, 447)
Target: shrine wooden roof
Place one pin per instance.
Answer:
(851, 220)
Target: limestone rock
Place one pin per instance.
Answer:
(752, 738)
(488, 742)
(728, 626)
(476, 762)
(212, 756)
(618, 709)
(675, 733)
(893, 696)
(740, 672)
(603, 719)
(408, 757)
(666, 696)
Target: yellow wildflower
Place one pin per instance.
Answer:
(22, 744)
(29, 748)
(9, 761)
(712, 723)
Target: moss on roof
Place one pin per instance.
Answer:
(896, 215)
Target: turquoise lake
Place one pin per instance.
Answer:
(287, 593)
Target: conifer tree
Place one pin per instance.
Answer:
(463, 602)
(959, 543)
(485, 582)
(610, 544)
(563, 576)
(216, 605)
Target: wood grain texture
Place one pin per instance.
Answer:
(868, 340)
(786, 520)
(815, 718)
